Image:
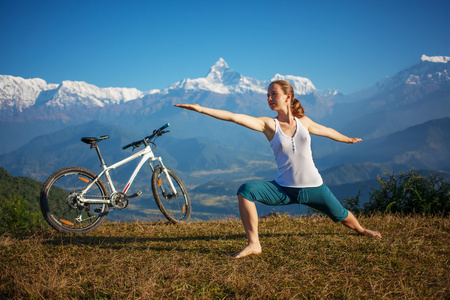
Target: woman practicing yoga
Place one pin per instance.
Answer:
(297, 179)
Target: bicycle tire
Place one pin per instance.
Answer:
(58, 201)
(177, 209)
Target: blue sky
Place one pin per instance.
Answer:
(344, 45)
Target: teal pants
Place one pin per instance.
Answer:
(271, 193)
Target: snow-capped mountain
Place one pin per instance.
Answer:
(301, 85)
(431, 70)
(436, 59)
(78, 93)
(222, 79)
(17, 94)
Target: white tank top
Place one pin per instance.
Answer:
(293, 156)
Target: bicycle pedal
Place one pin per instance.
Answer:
(135, 195)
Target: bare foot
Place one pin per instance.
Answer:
(372, 234)
(248, 250)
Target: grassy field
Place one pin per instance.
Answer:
(302, 258)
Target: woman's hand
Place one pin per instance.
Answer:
(193, 107)
(354, 140)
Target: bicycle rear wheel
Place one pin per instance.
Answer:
(60, 204)
(175, 207)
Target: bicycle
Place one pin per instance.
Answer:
(76, 200)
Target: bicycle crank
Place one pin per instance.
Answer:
(119, 200)
(135, 195)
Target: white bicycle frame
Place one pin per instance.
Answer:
(147, 155)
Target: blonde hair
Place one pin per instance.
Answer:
(296, 107)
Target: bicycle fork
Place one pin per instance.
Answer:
(165, 172)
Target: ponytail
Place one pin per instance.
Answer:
(297, 109)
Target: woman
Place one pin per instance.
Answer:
(297, 179)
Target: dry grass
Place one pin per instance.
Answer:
(302, 258)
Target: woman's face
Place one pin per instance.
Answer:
(276, 98)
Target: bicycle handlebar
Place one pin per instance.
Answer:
(156, 132)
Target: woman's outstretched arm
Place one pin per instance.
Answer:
(317, 129)
(263, 124)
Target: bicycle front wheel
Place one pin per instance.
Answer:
(60, 203)
(174, 204)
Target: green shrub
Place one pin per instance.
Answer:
(353, 203)
(15, 216)
(410, 193)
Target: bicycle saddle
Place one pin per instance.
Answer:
(93, 140)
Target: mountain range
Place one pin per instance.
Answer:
(19, 94)
(403, 120)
